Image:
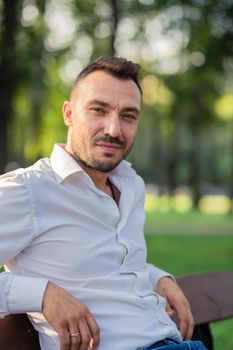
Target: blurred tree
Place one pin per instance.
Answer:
(32, 56)
(203, 31)
(116, 13)
(8, 72)
(185, 51)
(212, 37)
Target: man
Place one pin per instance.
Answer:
(72, 230)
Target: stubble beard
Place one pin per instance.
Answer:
(81, 155)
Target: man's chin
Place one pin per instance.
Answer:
(104, 167)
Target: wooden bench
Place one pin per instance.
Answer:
(210, 295)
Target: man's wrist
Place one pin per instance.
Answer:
(26, 294)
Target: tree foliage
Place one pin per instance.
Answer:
(184, 48)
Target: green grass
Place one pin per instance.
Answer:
(189, 223)
(191, 216)
(193, 243)
(182, 254)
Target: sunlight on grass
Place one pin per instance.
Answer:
(182, 203)
(214, 204)
(161, 204)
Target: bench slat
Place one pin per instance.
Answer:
(210, 295)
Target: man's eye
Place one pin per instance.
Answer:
(130, 117)
(98, 109)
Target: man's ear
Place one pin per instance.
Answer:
(67, 113)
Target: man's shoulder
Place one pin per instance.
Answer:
(40, 168)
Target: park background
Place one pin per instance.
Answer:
(184, 149)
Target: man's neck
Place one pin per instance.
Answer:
(98, 177)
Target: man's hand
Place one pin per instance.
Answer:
(68, 316)
(177, 305)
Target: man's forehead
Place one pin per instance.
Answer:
(99, 82)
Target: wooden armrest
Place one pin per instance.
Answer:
(210, 295)
(17, 333)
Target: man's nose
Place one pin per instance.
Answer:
(113, 126)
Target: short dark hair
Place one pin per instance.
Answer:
(118, 67)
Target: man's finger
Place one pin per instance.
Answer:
(85, 335)
(186, 322)
(190, 328)
(75, 339)
(171, 312)
(95, 331)
(64, 337)
(183, 327)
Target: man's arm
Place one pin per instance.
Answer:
(17, 293)
(177, 304)
(20, 294)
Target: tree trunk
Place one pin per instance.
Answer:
(37, 91)
(8, 76)
(231, 177)
(194, 166)
(174, 152)
(115, 19)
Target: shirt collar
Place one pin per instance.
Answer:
(65, 165)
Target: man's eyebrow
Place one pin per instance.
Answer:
(99, 103)
(108, 105)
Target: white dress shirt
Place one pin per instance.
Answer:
(56, 225)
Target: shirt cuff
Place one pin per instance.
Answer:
(26, 294)
(155, 274)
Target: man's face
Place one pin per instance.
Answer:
(102, 117)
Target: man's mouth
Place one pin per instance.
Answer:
(108, 147)
(108, 141)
